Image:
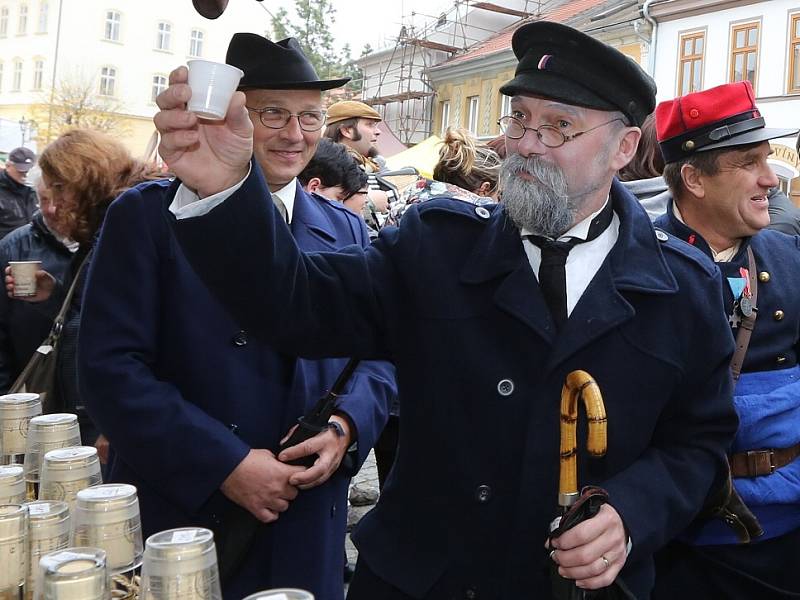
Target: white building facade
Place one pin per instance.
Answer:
(704, 43)
(123, 50)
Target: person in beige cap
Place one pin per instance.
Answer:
(355, 125)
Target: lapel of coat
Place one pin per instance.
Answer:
(310, 219)
(635, 264)
(499, 254)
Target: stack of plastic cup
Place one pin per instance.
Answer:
(66, 471)
(13, 549)
(281, 594)
(12, 484)
(107, 517)
(73, 574)
(49, 531)
(45, 433)
(180, 564)
(16, 410)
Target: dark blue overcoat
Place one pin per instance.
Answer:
(183, 391)
(451, 298)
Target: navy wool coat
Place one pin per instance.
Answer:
(451, 298)
(183, 390)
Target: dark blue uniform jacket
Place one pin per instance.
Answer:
(451, 298)
(183, 390)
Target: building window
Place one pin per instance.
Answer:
(472, 114)
(1, 75)
(505, 108)
(164, 35)
(16, 84)
(22, 24)
(44, 10)
(108, 79)
(4, 21)
(744, 52)
(159, 85)
(113, 20)
(794, 54)
(690, 64)
(38, 74)
(196, 43)
(445, 116)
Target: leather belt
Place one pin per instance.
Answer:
(756, 463)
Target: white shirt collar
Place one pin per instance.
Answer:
(580, 230)
(286, 194)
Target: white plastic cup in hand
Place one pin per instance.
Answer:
(213, 85)
(24, 274)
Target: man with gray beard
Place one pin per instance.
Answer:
(485, 311)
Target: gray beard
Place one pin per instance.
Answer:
(540, 205)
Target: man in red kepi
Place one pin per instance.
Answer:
(715, 145)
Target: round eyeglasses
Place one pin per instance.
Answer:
(550, 135)
(277, 118)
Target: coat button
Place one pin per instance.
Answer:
(482, 212)
(483, 493)
(470, 593)
(780, 360)
(661, 236)
(694, 113)
(240, 339)
(778, 315)
(763, 277)
(505, 387)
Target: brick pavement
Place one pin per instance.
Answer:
(366, 478)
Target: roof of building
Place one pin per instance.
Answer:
(502, 40)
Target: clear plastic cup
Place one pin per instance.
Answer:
(213, 85)
(13, 548)
(24, 274)
(16, 411)
(49, 531)
(45, 433)
(281, 594)
(12, 484)
(107, 516)
(180, 564)
(73, 574)
(66, 471)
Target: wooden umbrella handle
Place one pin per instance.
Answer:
(579, 385)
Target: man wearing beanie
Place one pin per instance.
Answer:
(194, 402)
(486, 311)
(715, 144)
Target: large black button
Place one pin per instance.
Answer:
(240, 339)
(483, 493)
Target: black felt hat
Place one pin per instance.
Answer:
(271, 65)
(559, 62)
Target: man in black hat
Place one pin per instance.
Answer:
(715, 144)
(193, 404)
(17, 200)
(486, 310)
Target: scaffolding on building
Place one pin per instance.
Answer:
(404, 91)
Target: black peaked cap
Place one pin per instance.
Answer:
(562, 63)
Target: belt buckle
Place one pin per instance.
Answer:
(758, 459)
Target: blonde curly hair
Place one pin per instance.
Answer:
(465, 162)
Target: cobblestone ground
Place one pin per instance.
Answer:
(365, 481)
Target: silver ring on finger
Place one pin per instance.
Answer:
(605, 563)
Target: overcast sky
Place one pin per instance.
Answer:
(376, 22)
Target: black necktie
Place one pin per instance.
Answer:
(552, 270)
